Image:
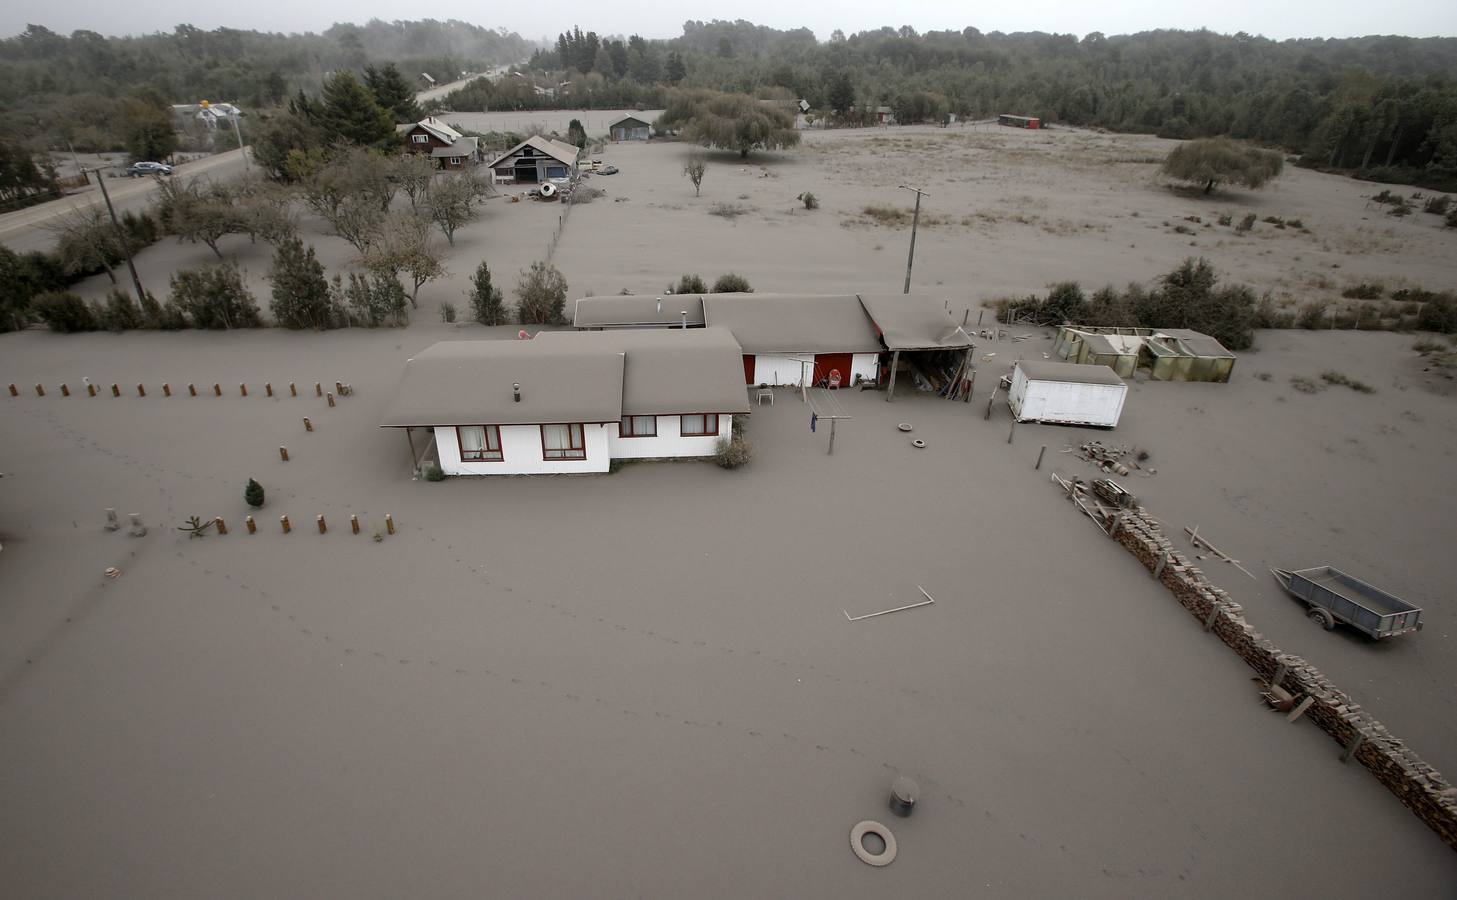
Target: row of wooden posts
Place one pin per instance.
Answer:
(287, 526)
(217, 389)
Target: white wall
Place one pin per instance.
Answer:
(521, 452)
(863, 364)
(1070, 403)
(669, 441)
(782, 370)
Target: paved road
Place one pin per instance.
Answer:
(28, 229)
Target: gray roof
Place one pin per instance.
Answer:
(1037, 370)
(794, 323)
(620, 119)
(1198, 343)
(465, 146)
(1099, 345)
(558, 150)
(669, 371)
(469, 383)
(914, 322)
(625, 310)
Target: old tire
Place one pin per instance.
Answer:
(1322, 617)
(857, 843)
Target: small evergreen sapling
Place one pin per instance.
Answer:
(253, 494)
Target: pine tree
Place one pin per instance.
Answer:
(300, 291)
(392, 92)
(253, 494)
(351, 114)
(486, 300)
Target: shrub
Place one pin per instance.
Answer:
(1363, 291)
(732, 452)
(300, 292)
(1437, 206)
(253, 494)
(64, 312)
(1226, 220)
(732, 284)
(487, 305)
(1438, 313)
(447, 311)
(728, 211)
(1296, 223)
(1452, 217)
(689, 284)
(1305, 385)
(1334, 377)
(433, 472)
(215, 297)
(1425, 346)
(887, 215)
(1245, 224)
(1312, 315)
(1211, 161)
(119, 313)
(542, 291)
(373, 300)
(809, 200)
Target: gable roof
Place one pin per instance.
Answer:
(1037, 370)
(913, 322)
(794, 323)
(466, 146)
(669, 371)
(638, 309)
(436, 128)
(470, 383)
(562, 152)
(628, 118)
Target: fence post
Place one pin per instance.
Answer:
(283, 520)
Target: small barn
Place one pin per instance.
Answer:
(629, 128)
(638, 311)
(799, 339)
(536, 160)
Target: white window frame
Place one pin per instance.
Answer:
(420, 138)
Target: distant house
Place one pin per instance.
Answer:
(884, 115)
(425, 77)
(629, 128)
(446, 146)
(1019, 121)
(209, 114)
(571, 401)
(535, 160)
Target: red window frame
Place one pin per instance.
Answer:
(627, 429)
(490, 455)
(577, 449)
(682, 420)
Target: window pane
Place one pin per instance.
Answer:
(692, 424)
(554, 437)
(576, 437)
(472, 439)
(710, 424)
(493, 439)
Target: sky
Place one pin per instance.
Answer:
(656, 19)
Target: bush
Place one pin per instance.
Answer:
(732, 284)
(1341, 378)
(372, 300)
(300, 292)
(1212, 161)
(119, 313)
(447, 311)
(1245, 224)
(64, 312)
(1452, 217)
(1363, 291)
(732, 452)
(1438, 313)
(1311, 316)
(728, 211)
(1305, 385)
(689, 284)
(1425, 346)
(253, 494)
(542, 291)
(215, 297)
(432, 472)
(487, 305)
(809, 200)
(1437, 206)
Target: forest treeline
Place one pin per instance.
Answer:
(56, 88)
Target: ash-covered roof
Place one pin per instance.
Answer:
(638, 310)
(1038, 370)
(794, 323)
(914, 322)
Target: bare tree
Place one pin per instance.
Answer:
(266, 210)
(453, 200)
(694, 169)
(199, 212)
(85, 242)
(414, 172)
(404, 247)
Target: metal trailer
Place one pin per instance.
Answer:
(1058, 393)
(1333, 596)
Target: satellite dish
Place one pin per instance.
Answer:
(547, 190)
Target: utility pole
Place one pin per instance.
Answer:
(915, 220)
(126, 247)
(238, 131)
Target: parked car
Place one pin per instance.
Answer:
(139, 169)
(607, 170)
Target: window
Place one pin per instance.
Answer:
(562, 442)
(420, 138)
(639, 426)
(455, 160)
(479, 443)
(701, 425)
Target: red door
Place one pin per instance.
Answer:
(828, 362)
(748, 369)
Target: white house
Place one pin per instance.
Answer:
(571, 401)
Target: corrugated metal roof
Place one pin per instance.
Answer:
(669, 370)
(1198, 343)
(465, 146)
(1037, 370)
(561, 152)
(640, 309)
(794, 323)
(914, 322)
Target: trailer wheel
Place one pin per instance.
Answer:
(1322, 617)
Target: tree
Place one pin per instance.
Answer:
(265, 210)
(576, 134)
(253, 494)
(21, 181)
(486, 301)
(732, 284)
(392, 92)
(352, 194)
(1212, 161)
(119, 312)
(87, 242)
(64, 312)
(674, 70)
(349, 113)
(404, 247)
(149, 131)
(729, 121)
(452, 203)
(375, 299)
(542, 292)
(215, 297)
(840, 92)
(198, 213)
(280, 136)
(694, 169)
(414, 173)
(300, 291)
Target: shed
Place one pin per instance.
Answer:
(1115, 348)
(629, 128)
(1179, 354)
(921, 334)
(799, 339)
(1066, 394)
(535, 160)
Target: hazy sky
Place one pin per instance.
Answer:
(654, 18)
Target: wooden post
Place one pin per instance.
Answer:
(252, 525)
(115, 391)
(1299, 711)
(222, 526)
(243, 390)
(322, 527)
(40, 390)
(284, 521)
(1039, 458)
(1213, 611)
(91, 390)
(1011, 431)
(14, 391)
(895, 359)
(308, 426)
(331, 399)
(318, 389)
(832, 437)
(339, 388)
(217, 389)
(1158, 570)
(166, 389)
(141, 390)
(191, 389)
(65, 391)
(414, 461)
(283, 453)
(292, 389)
(354, 524)
(1353, 746)
(389, 523)
(1117, 524)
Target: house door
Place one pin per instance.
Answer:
(828, 362)
(748, 369)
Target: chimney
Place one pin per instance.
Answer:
(516, 390)
(660, 306)
(684, 314)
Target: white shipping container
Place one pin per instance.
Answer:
(1066, 394)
